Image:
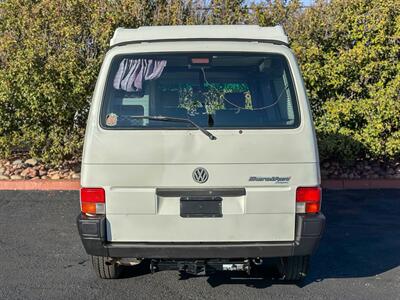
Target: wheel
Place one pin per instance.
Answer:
(294, 268)
(105, 268)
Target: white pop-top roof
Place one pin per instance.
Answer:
(201, 32)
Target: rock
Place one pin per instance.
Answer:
(324, 173)
(55, 177)
(376, 168)
(390, 171)
(17, 162)
(31, 162)
(381, 173)
(17, 171)
(29, 172)
(326, 165)
(2, 171)
(76, 176)
(25, 172)
(42, 172)
(4, 177)
(44, 177)
(16, 177)
(64, 174)
(335, 164)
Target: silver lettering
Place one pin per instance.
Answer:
(275, 179)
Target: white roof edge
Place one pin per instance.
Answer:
(188, 32)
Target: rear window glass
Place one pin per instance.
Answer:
(215, 91)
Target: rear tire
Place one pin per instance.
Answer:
(105, 268)
(294, 268)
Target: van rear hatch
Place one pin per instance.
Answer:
(166, 181)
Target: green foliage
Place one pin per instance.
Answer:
(51, 52)
(189, 101)
(349, 53)
(213, 97)
(50, 55)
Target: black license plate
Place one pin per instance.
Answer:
(201, 207)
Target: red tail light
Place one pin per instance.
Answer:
(93, 201)
(201, 61)
(308, 199)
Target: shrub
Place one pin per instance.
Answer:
(349, 53)
(50, 54)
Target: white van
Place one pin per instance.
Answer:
(200, 154)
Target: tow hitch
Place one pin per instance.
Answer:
(200, 267)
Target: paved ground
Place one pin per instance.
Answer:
(41, 256)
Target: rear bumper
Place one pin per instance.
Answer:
(309, 229)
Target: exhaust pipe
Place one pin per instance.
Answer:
(129, 261)
(257, 261)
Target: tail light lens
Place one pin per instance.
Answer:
(93, 201)
(308, 200)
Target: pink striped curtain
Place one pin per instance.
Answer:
(133, 72)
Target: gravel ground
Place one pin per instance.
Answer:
(41, 256)
(32, 169)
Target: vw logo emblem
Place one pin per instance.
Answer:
(200, 175)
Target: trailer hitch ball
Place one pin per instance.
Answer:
(257, 261)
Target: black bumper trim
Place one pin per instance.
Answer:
(220, 192)
(92, 231)
(309, 229)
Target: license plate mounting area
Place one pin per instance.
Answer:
(201, 207)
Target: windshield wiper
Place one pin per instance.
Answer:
(177, 120)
